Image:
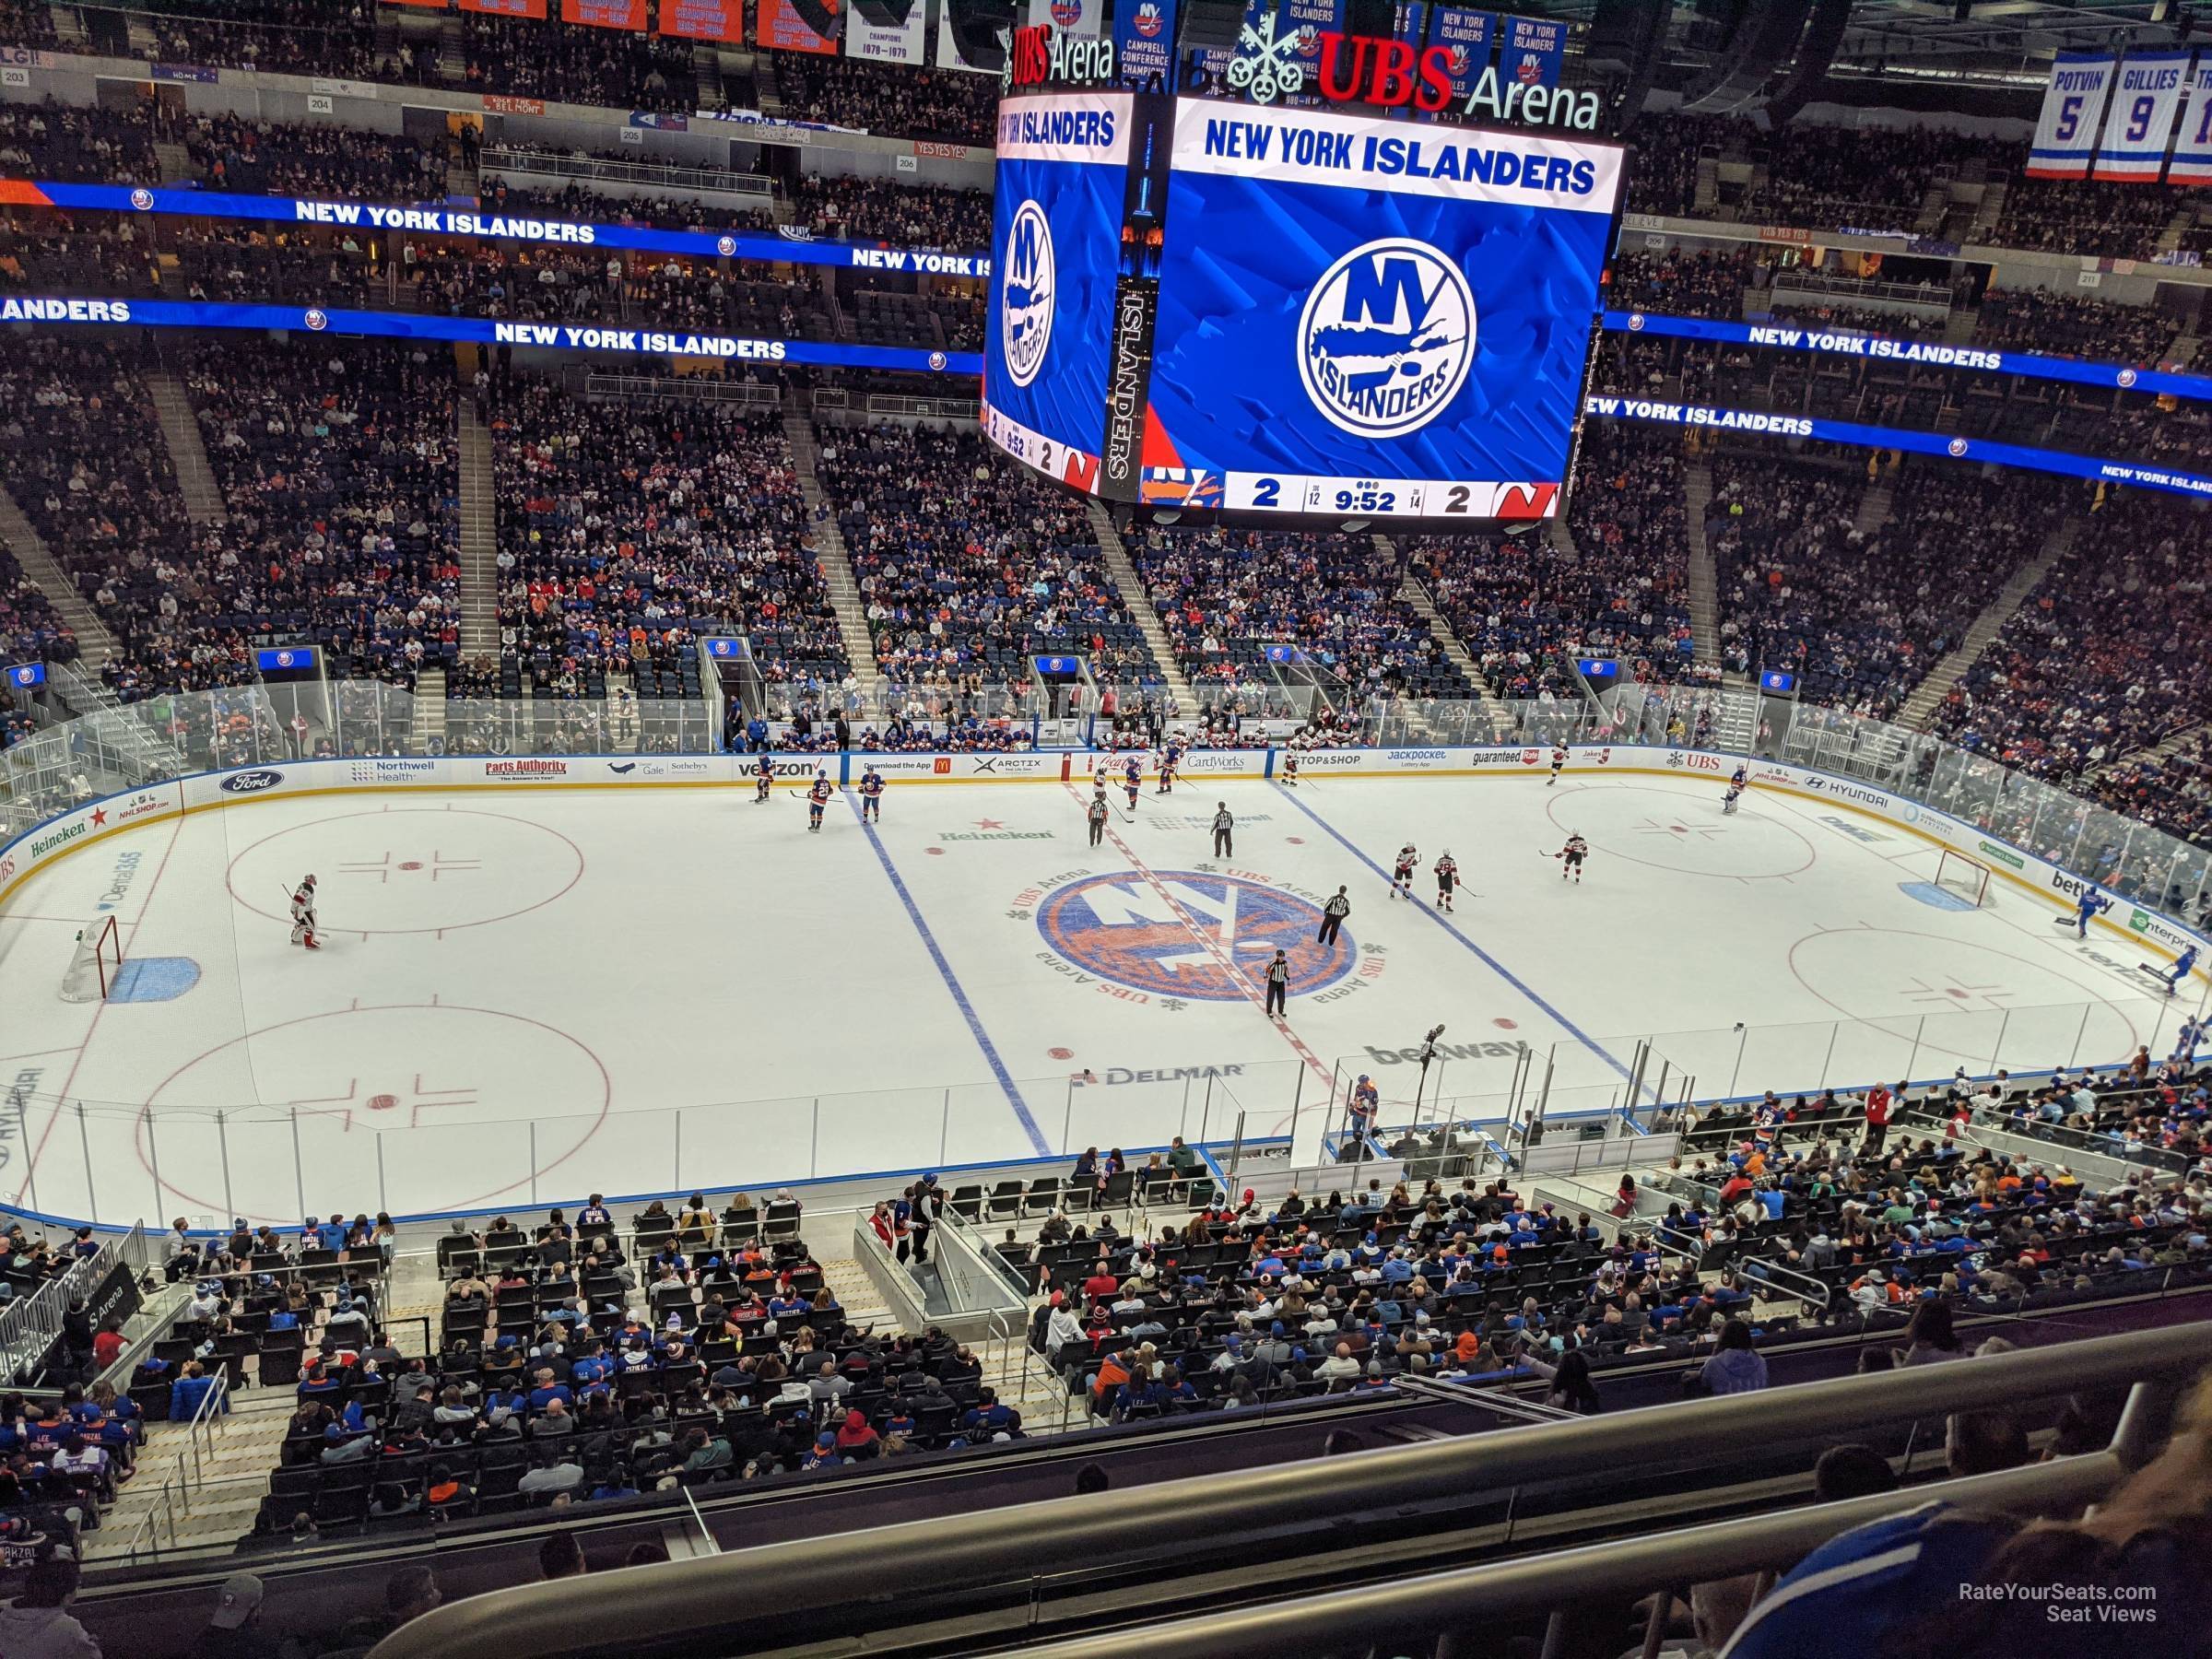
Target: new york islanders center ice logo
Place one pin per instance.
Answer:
(1178, 938)
(1026, 302)
(1386, 338)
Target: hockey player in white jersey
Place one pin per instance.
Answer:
(303, 913)
(1401, 884)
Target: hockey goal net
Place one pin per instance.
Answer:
(92, 970)
(1955, 872)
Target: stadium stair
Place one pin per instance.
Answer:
(2184, 741)
(1708, 196)
(1927, 696)
(1139, 602)
(68, 28)
(176, 165)
(1874, 505)
(1704, 577)
(1959, 327)
(706, 71)
(479, 540)
(1933, 206)
(429, 727)
(217, 1512)
(1983, 225)
(453, 49)
(1414, 595)
(95, 645)
(830, 552)
(196, 478)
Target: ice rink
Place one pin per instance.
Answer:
(532, 996)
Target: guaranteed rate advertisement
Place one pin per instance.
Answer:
(1062, 173)
(1359, 316)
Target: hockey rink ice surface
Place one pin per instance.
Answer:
(528, 996)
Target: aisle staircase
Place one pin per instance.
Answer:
(429, 727)
(836, 560)
(1123, 569)
(1424, 605)
(196, 478)
(95, 645)
(211, 1513)
(1705, 575)
(1927, 696)
(480, 538)
(1876, 503)
(2184, 742)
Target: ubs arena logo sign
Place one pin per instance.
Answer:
(1177, 939)
(1026, 303)
(1386, 338)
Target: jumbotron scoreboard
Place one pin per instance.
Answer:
(1230, 307)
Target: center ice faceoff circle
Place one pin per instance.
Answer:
(1178, 933)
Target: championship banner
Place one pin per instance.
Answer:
(482, 331)
(496, 227)
(1310, 20)
(1144, 41)
(1468, 34)
(2124, 377)
(1534, 50)
(1078, 20)
(1212, 62)
(704, 19)
(783, 29)
(904, 42)
(2066, 132)
(949, 51)
(2141, 118)
(533, 9)
(1979, 450)
(605, 14)
(2192, 162)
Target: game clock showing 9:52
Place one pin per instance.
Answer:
(1381, 497)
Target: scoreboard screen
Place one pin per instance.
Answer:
(1309, 314)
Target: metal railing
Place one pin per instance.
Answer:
(192, 1471)
(696, 388)
(508, 159)
(30, 1325)
(1031, 1542)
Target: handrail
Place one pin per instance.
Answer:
(1037, 1539)
(1461, 1597)
(508, 158)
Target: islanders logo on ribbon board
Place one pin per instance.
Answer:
(1027, 301)
(1387, 337)
(1175, 938)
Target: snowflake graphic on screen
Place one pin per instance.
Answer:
(1271, 68)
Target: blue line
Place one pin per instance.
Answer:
(960, 997)
(1491, 962)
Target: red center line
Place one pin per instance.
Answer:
(1212, 947)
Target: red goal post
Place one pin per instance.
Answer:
(1955, 872)
(92, 970)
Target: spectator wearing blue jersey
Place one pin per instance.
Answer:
(1736, 1367)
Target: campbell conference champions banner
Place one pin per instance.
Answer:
(1144, 41)
(900, 43)
(2141, 117)
(2065, 133)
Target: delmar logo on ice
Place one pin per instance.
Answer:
(1026, 319)
(1386, 338)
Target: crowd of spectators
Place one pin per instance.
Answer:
(2086, 216)
(63, 142)
(578, 63)
(84, 457)
(262, 157)
(1685, 282)
(2102, 659)
(847, 208)
(1521, 604)
(578, 199)
(239, 34)
(2063, 325)
(1861, 617)
(949, 105)
(1867, 178)
(339, 473)
(967, 565)
(1224, 596)
(627, 529)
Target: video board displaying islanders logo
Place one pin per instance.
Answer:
(1336, 315)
